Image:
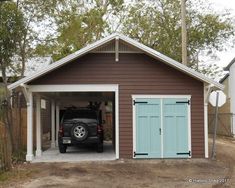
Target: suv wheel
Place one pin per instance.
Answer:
(79, 131)
(100, 147)
(62, 148)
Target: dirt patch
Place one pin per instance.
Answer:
(136, 173)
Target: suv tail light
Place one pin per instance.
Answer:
(99, 129)
(61, 131)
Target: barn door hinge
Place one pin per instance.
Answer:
(183, 102)
(139, 153)
(136, 102)
(184, 153)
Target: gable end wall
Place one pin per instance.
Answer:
(135, 74)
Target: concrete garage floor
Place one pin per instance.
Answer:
(75, 154)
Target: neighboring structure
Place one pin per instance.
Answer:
(225, 117)
(228, 110)
(31, 66)
(159, 105)
(231, 69)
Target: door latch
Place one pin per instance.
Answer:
(160, 131)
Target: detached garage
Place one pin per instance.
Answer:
(160, 105)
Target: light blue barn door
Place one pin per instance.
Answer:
(175, 128)
(148, 128)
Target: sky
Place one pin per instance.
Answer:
(226, 56)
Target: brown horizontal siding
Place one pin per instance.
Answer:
(46, 118)
(135, 74)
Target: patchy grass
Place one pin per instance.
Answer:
(18, 157)
(168, 173)
(17, 174)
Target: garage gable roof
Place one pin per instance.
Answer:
(147, 50)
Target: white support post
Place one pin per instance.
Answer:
(29, 155)
(206, 129)
(206, 96)
(38, 127)
(57, 122)
(53, 124)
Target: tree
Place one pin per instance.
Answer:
(11, 26)
(158, 25)
(78, 24)
(35, 13)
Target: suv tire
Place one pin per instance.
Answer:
(62, 148)
(79, 131)
(100, 147)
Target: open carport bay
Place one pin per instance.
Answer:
(77, 154)
(47, 139)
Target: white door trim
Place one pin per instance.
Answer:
(82, 88)
(189, 129)
(160, 96)
(134, 97)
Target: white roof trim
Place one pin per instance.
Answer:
(146, 49)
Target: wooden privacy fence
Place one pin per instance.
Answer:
(4, 154)
(19, 119)
(225, 124)
(19, 131)
(108, 127)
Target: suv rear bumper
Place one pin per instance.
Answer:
(71, 141)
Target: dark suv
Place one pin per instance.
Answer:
(80, 126)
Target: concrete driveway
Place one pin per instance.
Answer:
(75, 154)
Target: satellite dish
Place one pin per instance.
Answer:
(221, 101)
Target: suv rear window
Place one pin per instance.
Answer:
(82, 114)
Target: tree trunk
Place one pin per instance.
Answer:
(7, 121)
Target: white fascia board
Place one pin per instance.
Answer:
(142, 47)
(62, 61)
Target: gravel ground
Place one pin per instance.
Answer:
(195, 173)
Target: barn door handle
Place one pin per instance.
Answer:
(160, 131)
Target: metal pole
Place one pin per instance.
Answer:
(215, 127)
(184, 32)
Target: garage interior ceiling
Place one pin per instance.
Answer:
(77, 99)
